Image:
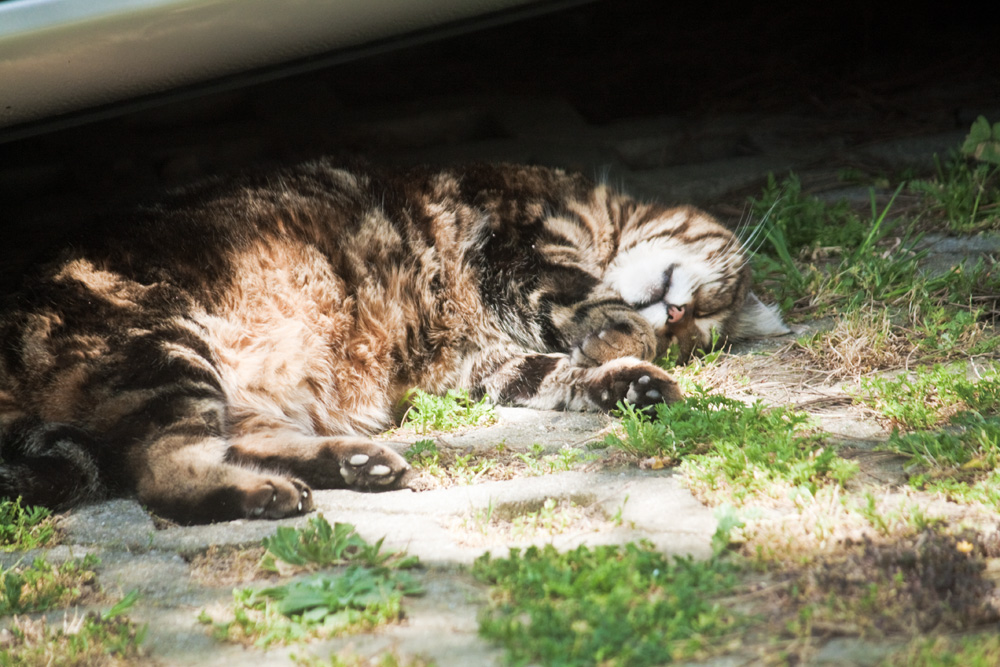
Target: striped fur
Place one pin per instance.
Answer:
(217, 354)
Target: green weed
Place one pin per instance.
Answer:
(452, 411)
(980, 650)
(962, 460)
(439, 467)
(109, 638)
(821, 258)
(728, 520)
(469, 469)
(619, 516)
(964, 194)
(983, 142)
(971, 443)
(821, 254)
(319, 544)
(608, 605)
(939, 331)
(645, 437)
(905, 320)
(985, 491)
(540, 463)
(368, 593)
(318, 605)
(966, 190)
(348, 658)
(23, 528)
(800, 222)
(422, 454)
(891, 520)
(42, 586)
(456, 468)
(929, 397)
(732, 450)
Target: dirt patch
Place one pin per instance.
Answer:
(877, 589)
(517, 523)
(229, 566)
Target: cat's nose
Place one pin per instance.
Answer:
(674, 313)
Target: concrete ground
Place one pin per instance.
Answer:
(683, 108)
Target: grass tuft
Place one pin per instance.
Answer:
(43, 586)
(966, 189)
(731, 451)
(318, 605)
(931, 397)
(608, 605)
(437, 468)
(450, 412)
(979, 650)
(96, 639)
(319, 544)
(367, 594)
(23, 528)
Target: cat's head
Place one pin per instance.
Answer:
(689, 277)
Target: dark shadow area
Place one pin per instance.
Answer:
(898, 71)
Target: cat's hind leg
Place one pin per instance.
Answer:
(159, 413)
(189, 481)
(181, 477)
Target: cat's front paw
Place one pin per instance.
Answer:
(364, 464)
(621, 333)
(637, 382)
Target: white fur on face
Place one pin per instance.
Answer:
(638, 276)
(656, 315)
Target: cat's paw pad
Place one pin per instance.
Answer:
(622, 334)
(276, 498)
(367, 465)
(639, 383)
(647, 390)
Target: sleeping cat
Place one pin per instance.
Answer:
(217, 354)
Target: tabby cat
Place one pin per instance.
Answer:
(217, 354)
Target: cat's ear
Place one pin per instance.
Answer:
(756, 320)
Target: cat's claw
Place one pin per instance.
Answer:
(278, 498)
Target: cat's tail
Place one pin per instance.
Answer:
(48, 464)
